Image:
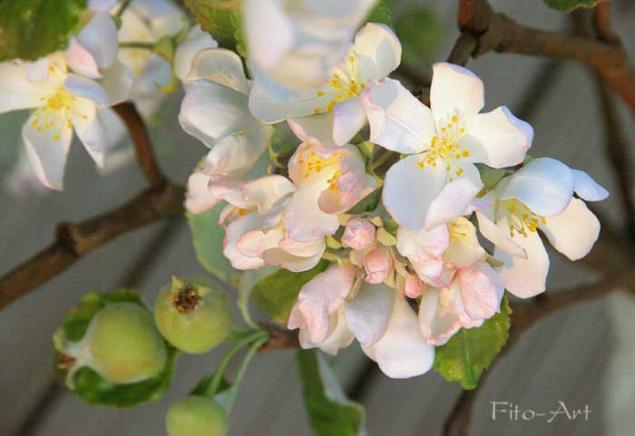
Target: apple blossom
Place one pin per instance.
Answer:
(335, 111)
(359, 234)
(438, 180)
(294, 44)
(378, 265)
(539, 196)
(215, 111)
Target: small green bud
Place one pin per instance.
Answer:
(192, 316)
(196, 416)
(123, 345)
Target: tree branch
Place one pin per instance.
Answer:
(497, 32)
(72, 241)
(141, 140)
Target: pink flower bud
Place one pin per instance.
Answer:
(378, 265)
(359, 234)
(413, 287)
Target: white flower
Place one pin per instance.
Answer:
(196, 41)
(295, 43)
(328, 182)
(215, 111)
(329, 312)
(63, 102)
(539, 197)
(439, 180)
(334, 112)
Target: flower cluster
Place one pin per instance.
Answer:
(462, 205)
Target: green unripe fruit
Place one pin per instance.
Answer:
(191, 316)
(196, 416)
(123, 345)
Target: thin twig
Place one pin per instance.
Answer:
(141, 140)
(72, 241)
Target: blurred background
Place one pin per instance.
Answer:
(583, 355)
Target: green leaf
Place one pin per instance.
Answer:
(276, 293)
(470, 351)
(30, 29)
(421, 32)
(78, 318)
(207, 236)
(330, 412)
(569, 5)
(366, 204)
(222, 19)
(96, 390)
(381, 13)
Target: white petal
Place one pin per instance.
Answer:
(17, 92)
(90, 130)
(464, 249)
(481, 291)
(498, 236)
(317, 128)
(82, 61)
(498, 138)
(269, 32)
(369, 312)
(587, 188)
(402, 352)
(524, 278)
(102, 5)
(210, 111)
(452, 201)
(99, 38)
(116, 81)
(455, 91)
(410, 190)
(349, 118)
(437, 325)
(265, 192)
(398, 121)
(574, 231)
(236, 154)
(47, 148)
(220, 66)
(86, 88)
(288, 261)
(544, 185)
(199, 198)
(378, 49)
(196, 41)
(304, 219)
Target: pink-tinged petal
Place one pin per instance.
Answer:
(455, 90)
(574, 231)
(349, 117)
(230, 190)
(305, 249)
(525, 278)
(117, 82)
(82, 61)
(233, 232)
(402, 352)
(544, 185)
(368, 314)
(47, 148)
(196, 41)
(453, 201)
(99, 38)
(498, 138)
(283, 259)
(319, 299)
(378, 50)
(359, 234)
(199, 199)
(314, 128)
(498, 236)
(220, 66)
(304, 219)
(413, 287)
(86, 88)
(265, 192)
(437, 324)
(269, 32)
(398, 121)
(587, 188)
(378, 265)
(424, 249)
(340, 336)
(481, 291)
(409, 190)
(255, 242)
(91, 130)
